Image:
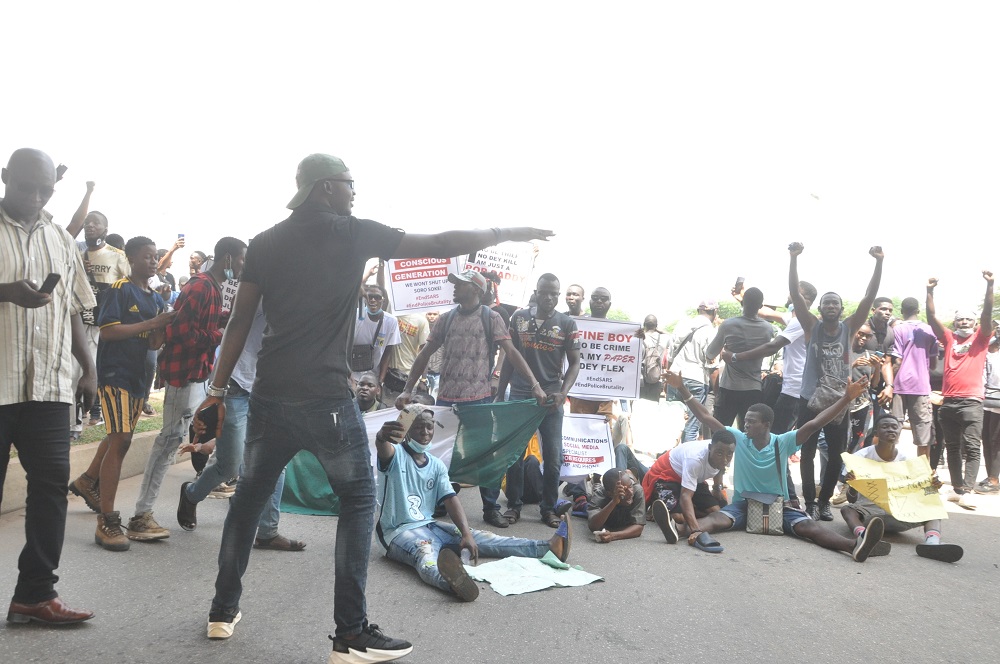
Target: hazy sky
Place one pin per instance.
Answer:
(672, 147)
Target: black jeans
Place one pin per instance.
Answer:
(836, 433)
(962, 422)
(732, 405)
(39, 430)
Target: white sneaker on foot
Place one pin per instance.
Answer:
(221, 629)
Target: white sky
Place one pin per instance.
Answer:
(671, 146)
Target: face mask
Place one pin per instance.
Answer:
(228, 272)
(376, 311)
(963, 334)
(417, 447)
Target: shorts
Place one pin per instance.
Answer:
(892, 524)
(670, 493)
(121, 410)
(737, 511)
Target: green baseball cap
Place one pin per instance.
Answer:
(311, 170)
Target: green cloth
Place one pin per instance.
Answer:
(307, 489)
(491, 437)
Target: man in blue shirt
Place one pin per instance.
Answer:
(755, 471)
(411, 484)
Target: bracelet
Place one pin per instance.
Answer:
(689, 397)
(537, 384)
(217, 392)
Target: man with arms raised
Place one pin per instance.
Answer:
(301, 397)
(754, 471)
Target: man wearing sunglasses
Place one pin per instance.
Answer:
(377, 329)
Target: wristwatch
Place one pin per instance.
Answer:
(213, 391)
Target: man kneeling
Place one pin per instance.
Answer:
(760, 467)
(411, 483)
(862, 510)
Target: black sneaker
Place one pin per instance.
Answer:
(187, 511)
(812, 511)
(495, 519)
(825, 512)
(371, 645)
(987, 489)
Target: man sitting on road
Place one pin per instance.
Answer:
(617, 508)
(862, 510)
(754, 471)
(678, 481)
(411, 483)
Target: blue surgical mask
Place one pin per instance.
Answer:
(376, 311)
(228, 272)
(417, 447)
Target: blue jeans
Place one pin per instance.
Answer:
(179, 404)
(227, 461)
(550, 437)
(225, 464)
(491, 497)
(419, 548)
(332, 430)
(692, 429)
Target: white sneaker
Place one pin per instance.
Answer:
(954, 497)
(841, 496)
(222, 629)
(966, 500)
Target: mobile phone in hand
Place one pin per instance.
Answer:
(49, 284)
(210, 416)
(739, 284)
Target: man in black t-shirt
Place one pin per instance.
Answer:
(307, 271)
(546, 339)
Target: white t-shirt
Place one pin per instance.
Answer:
(364, 332)
(793, 358)
(871, 453)
(690, 462)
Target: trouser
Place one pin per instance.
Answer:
(962, 421)
(991, 443)
(625, 460)
(550, 440)
(732, 405)
(330, 429)
(937, 437)
(420, 547)
(179, 404)
(786, 412)
(836, 433)
(93, 334)
(39, 430)
(692, 428)
(918, 407)
(150, 371)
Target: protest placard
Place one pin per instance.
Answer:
(229, 287)
(901, 488)
(609, 359)
(512, 261)
(418, 285)
(587, 446)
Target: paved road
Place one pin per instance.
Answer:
(762, 600)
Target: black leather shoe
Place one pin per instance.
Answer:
(813, 511)
(187, 515)
(495, 519)
(825, 512)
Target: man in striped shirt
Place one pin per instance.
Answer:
(40, 334)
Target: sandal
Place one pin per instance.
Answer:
(706, 543)
(512, 516)
(279, 543)
(946, 553)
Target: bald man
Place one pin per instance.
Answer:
(40, 334)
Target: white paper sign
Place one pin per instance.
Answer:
(587, 446)
(512, 261)
(229, 287)
(417, 285)
(610, 359)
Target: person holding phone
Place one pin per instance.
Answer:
(131, 320)
(40, 335)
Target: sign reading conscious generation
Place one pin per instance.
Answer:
(417, 285)
(609, 359)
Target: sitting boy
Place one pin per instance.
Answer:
(617, 508)
(677, 484)
(411, 483)
(861, 509)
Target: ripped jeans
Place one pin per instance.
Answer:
(419, 548)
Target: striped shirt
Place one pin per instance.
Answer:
(36, 358)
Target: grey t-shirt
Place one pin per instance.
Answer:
(308, 269)
(826, 354)
(737, 335)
